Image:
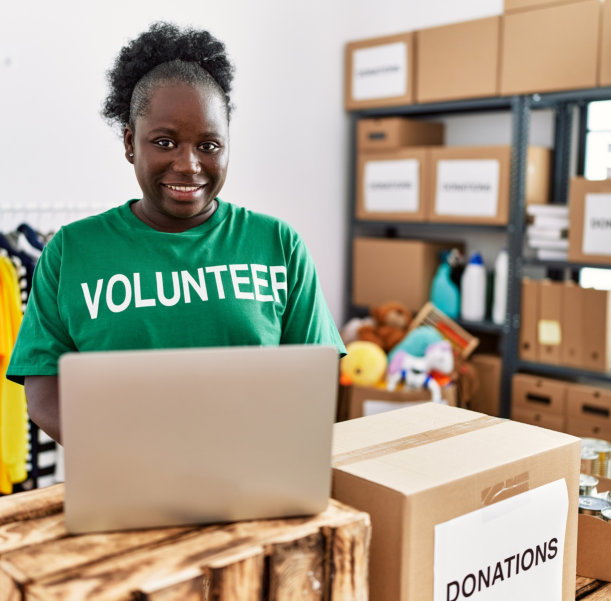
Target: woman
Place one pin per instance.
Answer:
(178, 267)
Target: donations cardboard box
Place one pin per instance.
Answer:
(458, 61)
(393, 133)
(539, 401)
(459, 502)
(394, 270)
(529, 346)
(513, 5)
(589, 411)
(392, 185)
(549, 321)
(590, 221)
(594, 548)
(486, 399)
(550, 48)
(380, 72)
(360, 401)
(470, 184)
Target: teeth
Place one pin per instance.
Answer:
(184, 188)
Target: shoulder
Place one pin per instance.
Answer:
(247, 218)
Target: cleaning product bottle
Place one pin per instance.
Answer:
(473, 289)
(501, 274)
(444, 293)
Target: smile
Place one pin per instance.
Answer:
(182, 188)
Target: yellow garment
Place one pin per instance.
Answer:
(13, 408)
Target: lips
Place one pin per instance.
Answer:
(184, 192)
(183, 187)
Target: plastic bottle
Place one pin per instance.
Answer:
(473, 289)
(501, 274)
(444, 293)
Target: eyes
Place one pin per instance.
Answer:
(168, 144)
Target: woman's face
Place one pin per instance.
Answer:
(180, 155)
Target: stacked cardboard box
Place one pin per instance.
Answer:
(565, 324)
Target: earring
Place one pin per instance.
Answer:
(131, 155)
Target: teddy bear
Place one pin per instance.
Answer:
(391, 321)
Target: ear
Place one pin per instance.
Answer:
(128, 142)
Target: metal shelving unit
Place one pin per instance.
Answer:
(563, 104)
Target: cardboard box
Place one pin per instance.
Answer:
(529, 345)
(393, 133)
(590, 221)
(551, 48)
(539, 401)
(486, 398)
(361, 401)
(596, 329)
(604, 64)
(513, 5)
(549, 321)
(571, 348)
(393, 185)
(416, 471)
(380, 72)
(589, 411)
(394, 270)
(470, 184)
(594, 548)
(458, 61)
(538, 175)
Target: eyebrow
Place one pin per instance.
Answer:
(171, 131)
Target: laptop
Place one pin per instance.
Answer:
(157, 438)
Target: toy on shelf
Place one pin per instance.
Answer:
(433, 370)
(390, 323)
(364, 365)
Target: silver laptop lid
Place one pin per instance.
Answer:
(166, 437)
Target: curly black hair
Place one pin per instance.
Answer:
(164, 53)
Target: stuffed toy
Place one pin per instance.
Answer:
(391, 322)
(350, 332)
(432, 371)
(364, 365)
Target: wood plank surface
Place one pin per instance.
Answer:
(32, 504)
(16, 535)
(116, 578)
(235, 578)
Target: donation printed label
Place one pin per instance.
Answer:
(597, 225)
(392, 186)
(467, 187)
(513, 549)
(379, 71)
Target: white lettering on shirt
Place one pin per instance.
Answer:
(258, 283)
(141, 302)
(238, 280)
(163, 299)
(93, 305)
(119, 277)
(248, 283)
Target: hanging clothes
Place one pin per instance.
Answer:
(13, 407)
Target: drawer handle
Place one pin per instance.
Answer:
(377, 135)
(595, 410)
(537, 398)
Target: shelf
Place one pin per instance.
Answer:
(563, 371)
(493, 103)
(428, 227)
(486, 326)
(562, 264)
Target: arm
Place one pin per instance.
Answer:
(42, 394)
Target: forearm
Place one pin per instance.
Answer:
(42, 394)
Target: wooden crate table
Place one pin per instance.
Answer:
(588, 589)
(322, 557)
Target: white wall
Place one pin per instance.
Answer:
(289, 132)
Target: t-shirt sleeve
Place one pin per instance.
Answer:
(42, 337)
(307, 319)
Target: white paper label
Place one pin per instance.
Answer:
(379, 71)
(467, 187)
(392, 186)
(512, 549)
(597, 225)
(374, 407)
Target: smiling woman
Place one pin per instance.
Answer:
(178, 267)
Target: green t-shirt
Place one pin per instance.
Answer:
(111, 282)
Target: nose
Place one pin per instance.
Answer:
(187, 161)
